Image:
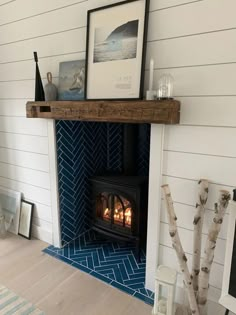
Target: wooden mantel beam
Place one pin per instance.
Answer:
(138, 111)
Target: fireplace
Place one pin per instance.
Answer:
(120, 208)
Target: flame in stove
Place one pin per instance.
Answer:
(128, 215)
(107, 213)
(120, 216)
(116, 215)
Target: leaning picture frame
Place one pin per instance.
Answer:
(10, 202)
(116, 48)
(71, 80)
(26, 216)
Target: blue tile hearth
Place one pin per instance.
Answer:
(109, 261)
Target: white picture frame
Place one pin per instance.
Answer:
(227, 300)
(11, 201)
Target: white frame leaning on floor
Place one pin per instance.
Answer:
(9, 212)
(227, 300)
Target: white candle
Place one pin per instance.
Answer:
(151, 74)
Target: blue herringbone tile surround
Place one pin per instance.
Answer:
(85, 149)
(109, 261)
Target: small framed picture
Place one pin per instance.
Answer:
(115, 54)
(26, 215)
(71, 80)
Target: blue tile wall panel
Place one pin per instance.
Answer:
(143, 149)
(86, 149)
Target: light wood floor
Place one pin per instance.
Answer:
(57, 288)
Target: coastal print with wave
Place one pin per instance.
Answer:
(116, 44)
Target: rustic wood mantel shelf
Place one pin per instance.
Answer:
(138, 111)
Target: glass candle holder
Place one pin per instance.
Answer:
(165, 86)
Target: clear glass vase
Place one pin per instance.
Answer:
(165, 86)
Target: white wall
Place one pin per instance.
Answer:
(193, 40)
(196, 43)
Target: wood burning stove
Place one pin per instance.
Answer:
(120, 208)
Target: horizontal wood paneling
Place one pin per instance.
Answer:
(166, 23)
(159, 25)
(186, 239)
(25, 159)
(12, 107)
(10, 33)
(25, 70)
(185, 214)
(44, 48)
(42, 224)
(15, 51)
(42, 229)
(202, 80)
(197, 140)
(77, 14)
(30, 192)
(17, 89)
(22, 125)
(168, 257)
(189, 51)
(208, 111)
(42, 212)
(219, 170)
(162, 4)
(25, 175)
(186, 191)
(42, 234)
(26, 143)
(13, 11)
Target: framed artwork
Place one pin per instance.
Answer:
(26, 215)
(228, 294)
(71, 80)
(115, 55)
(10, 201)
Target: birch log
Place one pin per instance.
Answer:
(176, 243)
(197, 234)
(210, 248)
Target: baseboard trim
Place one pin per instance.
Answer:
(42, 234)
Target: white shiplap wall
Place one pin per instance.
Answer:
(195, 41)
